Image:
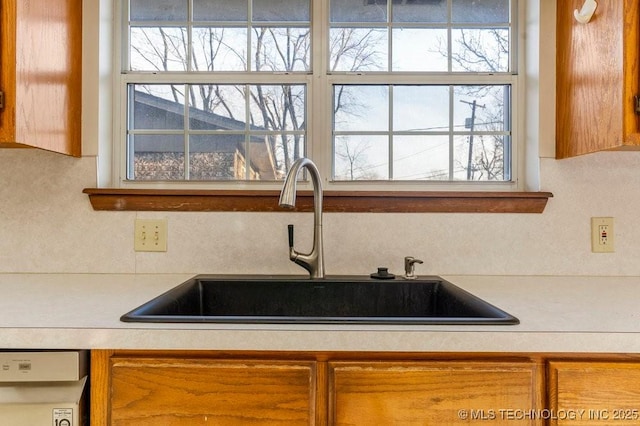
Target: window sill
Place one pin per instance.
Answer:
(333, 201)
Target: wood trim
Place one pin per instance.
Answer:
(99, 356)
(322, 393)
(100, 385)
(333, 201)
(631, 72)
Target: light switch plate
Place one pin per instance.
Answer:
(150, 235)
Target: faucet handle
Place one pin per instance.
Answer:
(290, 227)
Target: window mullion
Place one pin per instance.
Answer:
(247, 133)
(451, 134)
(189, 29)
(390, 135)
(249, 35)
(128, 148)
(450, 35)
(187, 156)
(319, 141)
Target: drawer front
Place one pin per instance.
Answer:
(430, 393)
(171, 391)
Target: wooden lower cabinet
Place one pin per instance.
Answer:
(144, 388)
(594, 392)
(188, 389)
(212, 388)
(434, 393)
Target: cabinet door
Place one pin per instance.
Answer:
(597, 78)
(174, 391)
(434, 393)
(596, 392)
(41, 74)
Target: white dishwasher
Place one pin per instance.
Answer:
(43, 388)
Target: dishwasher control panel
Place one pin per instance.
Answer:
(41, 366)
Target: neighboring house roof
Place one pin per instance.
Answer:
(147, 109)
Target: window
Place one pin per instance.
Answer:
(401, 94)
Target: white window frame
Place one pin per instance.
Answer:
(319, 123)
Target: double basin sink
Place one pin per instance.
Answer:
(346, 299)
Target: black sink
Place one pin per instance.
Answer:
(260, 299)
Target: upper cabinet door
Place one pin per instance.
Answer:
(597, 78)
(41, 74)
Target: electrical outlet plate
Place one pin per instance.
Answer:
(150, 235)
(602, 235)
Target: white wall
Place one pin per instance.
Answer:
(47, 225)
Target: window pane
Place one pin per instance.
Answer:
(221, 144)
(220, 10)
(420, 11)
(421, 157)
(277, 107)
(225, 156)
(419, 50)
(361, 157)
(157, 157)
(158, 49)
(421, 108)
(288, 148)
(423, 132)
(158, 10)
(281, 49)
(219, 49)
(157, 106)
(479, 158)
(481, 11)
(480, 50)
(361, 108)
(217, 107)
(482, 113)
(281, 110)
(358, 11)
(216, 157)
(281, 10)
(482, 108)
(358, 49)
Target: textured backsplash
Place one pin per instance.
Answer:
(47, 225)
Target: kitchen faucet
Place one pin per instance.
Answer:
(314, 261)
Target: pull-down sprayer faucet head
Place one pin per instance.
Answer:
(288, 192)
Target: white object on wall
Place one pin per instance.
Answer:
(585, 14)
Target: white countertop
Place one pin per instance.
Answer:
(557, 314)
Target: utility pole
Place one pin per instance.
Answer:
(470, 124)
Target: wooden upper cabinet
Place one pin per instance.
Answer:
(40, 74)
(597, 78)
